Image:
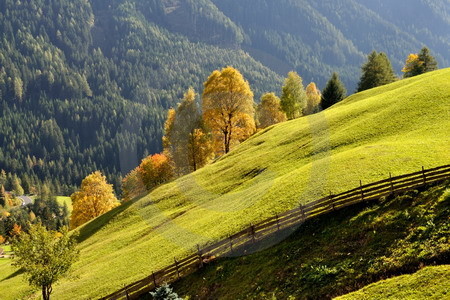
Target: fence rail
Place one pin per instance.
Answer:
(289, 219)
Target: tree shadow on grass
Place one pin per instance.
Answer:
(12, 275)
(98, 223)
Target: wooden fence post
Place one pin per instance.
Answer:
(302, 211)
(361, 188)
(424, 177)
(176, 265)
(331, 198)
(252, 230)
(278, 222)
(199, 253)
(154, 279)
(392, 184)
(126, 294)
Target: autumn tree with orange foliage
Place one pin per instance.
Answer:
(269, 111)
(313, 97)
(155, 170)
(95, 198)
(227, 104)
(186, 140)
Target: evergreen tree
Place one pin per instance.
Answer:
(16, 187)
(3, 197)
(429, 63)
(377, 71)
(420, 63)
(333, 92)
(293, 96)
(165, 292)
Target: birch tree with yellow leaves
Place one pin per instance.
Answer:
(228, 111)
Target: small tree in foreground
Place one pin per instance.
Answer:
(165, 292)
(44, 256)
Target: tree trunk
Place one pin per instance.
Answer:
(46, 291)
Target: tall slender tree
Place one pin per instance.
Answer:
(313, 98)
(227, 103)
(184, 129)
(333, 92)
(293, 96)
(377, 71)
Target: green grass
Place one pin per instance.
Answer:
(12, 285)
(62, 199)
(396, 128)
(430, 283)
(337, 253)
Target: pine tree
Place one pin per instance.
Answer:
(429, 63)
(377, 71)
(419, 63)
(333, 92)
(165, 292)
(3, 197)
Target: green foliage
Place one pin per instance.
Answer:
(377, 71)
(79, 92)
(333, 92)
(420, 63)
(165, 292)
(293, 96)
(428, 283)
(44, 256)
(275, 170)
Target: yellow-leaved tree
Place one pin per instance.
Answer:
(313, 97)
(227, 104)
(186, 141)
(95, 198)
(269, 111)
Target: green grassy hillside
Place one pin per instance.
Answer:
(428, 283)
(341, 252)
(396, 128)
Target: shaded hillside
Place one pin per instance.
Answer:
(341, 252)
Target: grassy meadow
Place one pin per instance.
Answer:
(396, 128)
(428, 283)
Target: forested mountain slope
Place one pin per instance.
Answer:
(85, 85)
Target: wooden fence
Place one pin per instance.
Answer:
(289, 219)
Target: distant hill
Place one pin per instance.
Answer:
(396, 128)
(85, 85)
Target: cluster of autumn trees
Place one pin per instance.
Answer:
(226, 116)
(198, 131)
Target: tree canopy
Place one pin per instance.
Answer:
(44, 256)
(377, 71)
(94, 198)
(293, 96)
(227, 104)
(333, 92)
(420, 63)
(269, 111)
